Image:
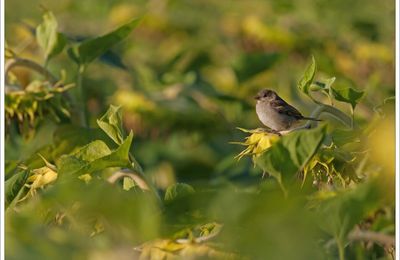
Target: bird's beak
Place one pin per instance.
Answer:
(257, 97)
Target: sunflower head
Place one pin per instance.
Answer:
(256, 143)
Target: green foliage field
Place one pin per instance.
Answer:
(131, 130)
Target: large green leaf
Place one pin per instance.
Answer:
(88, 50)
(93, 151)
(308, 77)
(49, 39)
(86, 161)
(339, 215)
(290, 154)
(14, 185)
(73, 136)
(111, 124)
(343, 136)
(347, 94)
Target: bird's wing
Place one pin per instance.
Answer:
(284, 108)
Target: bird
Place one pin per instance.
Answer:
(277, 114)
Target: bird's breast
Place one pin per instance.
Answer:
(271, 118)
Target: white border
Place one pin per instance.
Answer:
(2, 128)
(397, 88)
(2, 133)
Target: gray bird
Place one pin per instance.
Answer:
(275, 113)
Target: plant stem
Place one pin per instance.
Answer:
(340, 249)
(18, 62)
(133, 175)
(323, 108)
(80, 99)
(352, 117)
(334, 112)
(137, 168)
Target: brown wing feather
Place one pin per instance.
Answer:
(284, 108)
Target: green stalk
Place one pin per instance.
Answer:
(333, 112)
(330, 110)
(352, 117)
(340, 249)
(81, 100)
(136, 167)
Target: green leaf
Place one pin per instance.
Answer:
(14, 185)
(322, 85)
(178, 190)
(88, 50)
(51, 41)
(93, 151)
(291, 153)
(86, 154)
(68, 137)
(339, 215)
(76, 165)
(347, 94)
(69, 164)
(111, 124)
(128, 183)
(308, 77)
(120, 157)
(341, 136)
(9, 168)
(61, 42)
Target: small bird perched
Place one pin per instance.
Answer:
(275, 113)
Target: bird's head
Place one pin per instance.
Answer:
(265, 95)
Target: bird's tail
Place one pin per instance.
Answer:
(311, 118)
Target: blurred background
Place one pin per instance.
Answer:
(187, 75)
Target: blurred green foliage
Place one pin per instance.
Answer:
(182, 80)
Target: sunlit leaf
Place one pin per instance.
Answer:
(85, 52)
(111, 124)
(308, 77)
(49, 39)
(67, 138)
(93, 151)
(71, 164)
(289, 155)
(128, 183)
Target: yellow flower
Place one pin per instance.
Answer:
(257, 143)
